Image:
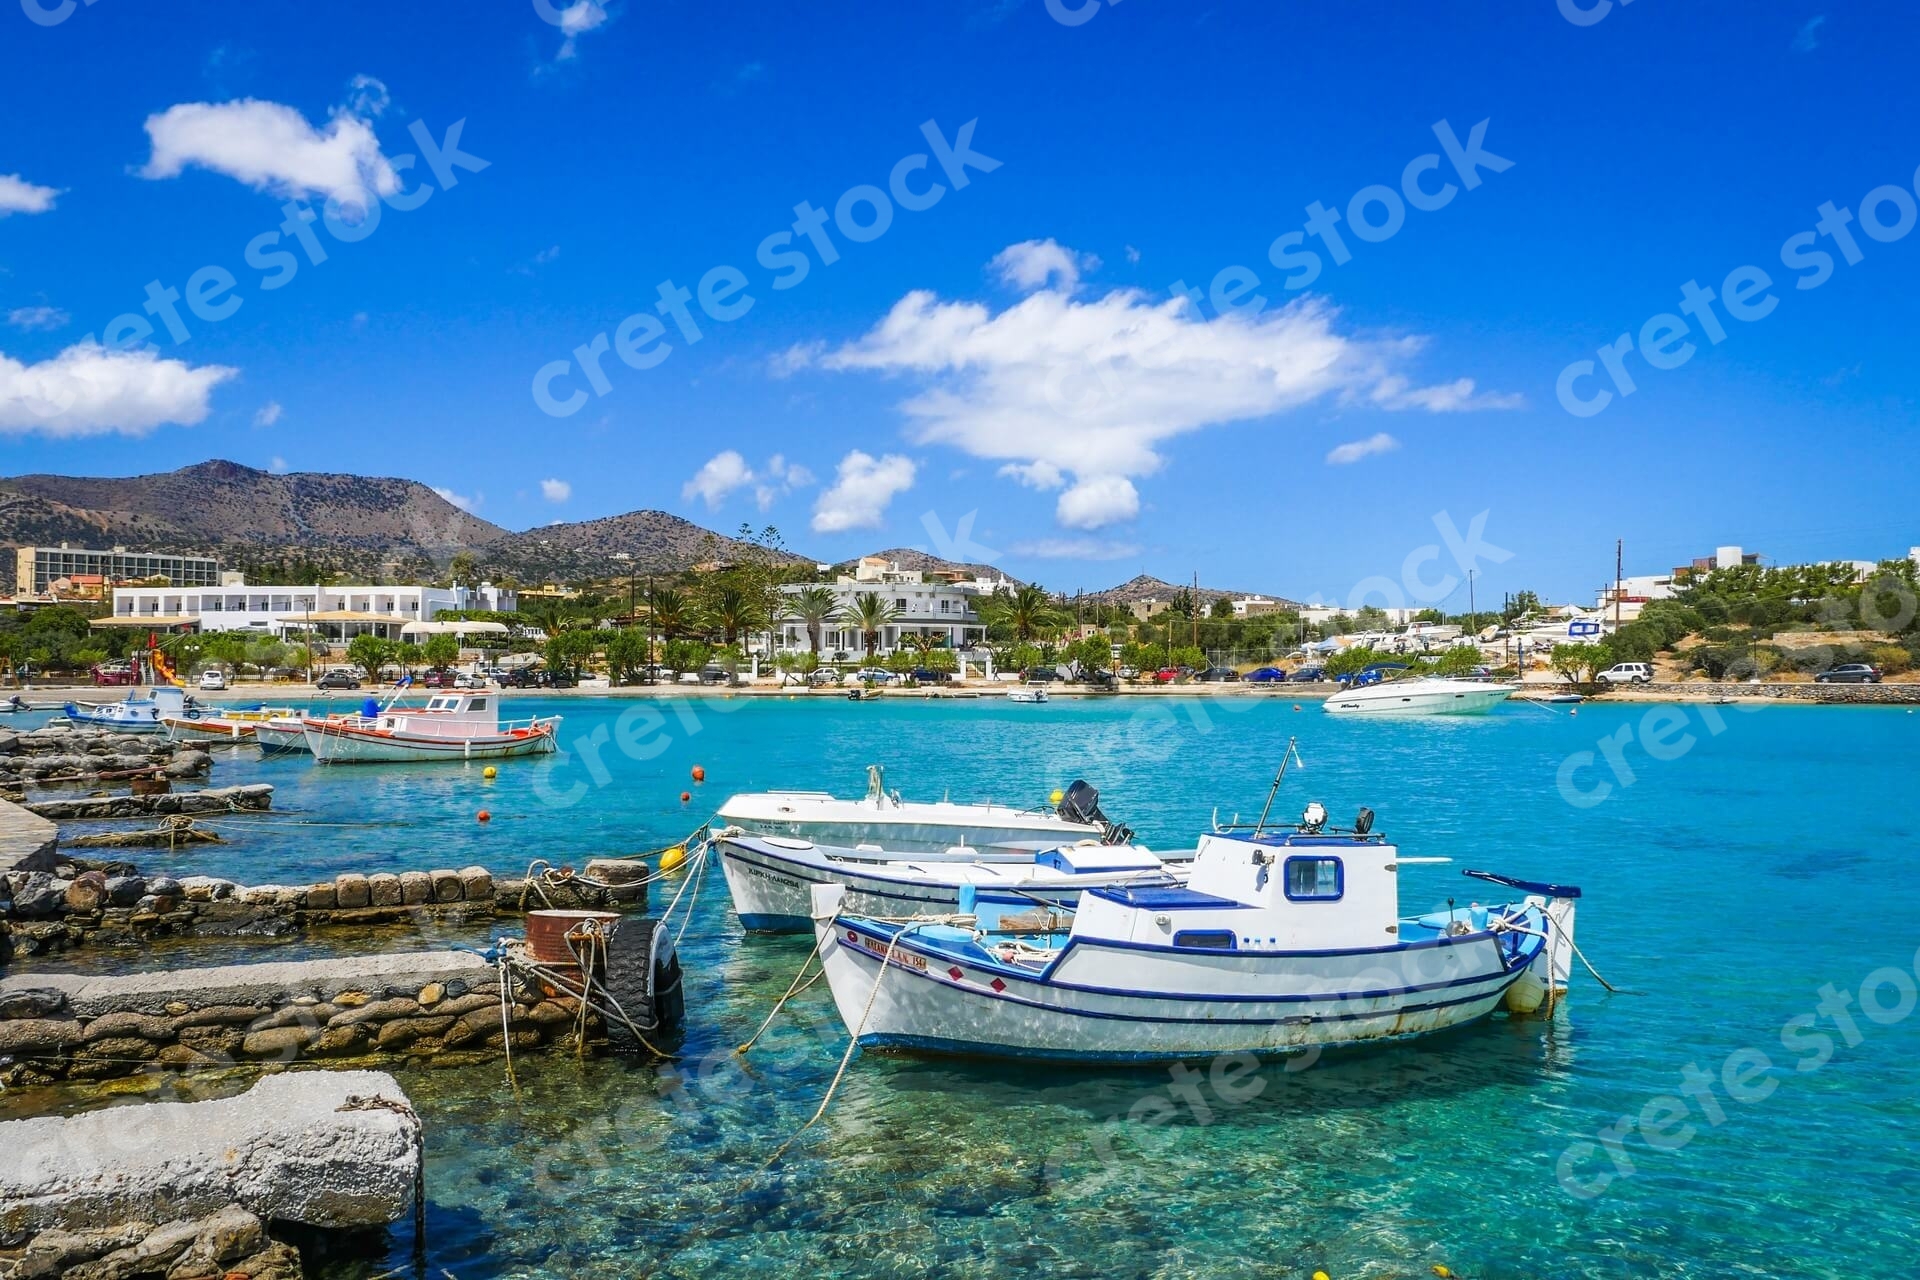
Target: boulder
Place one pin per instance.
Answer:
(87, 893)
(165, 887)
(39, 896)
(328, 1149)
(31, 1002)
(350, 890)
(322, 897)
(383, 889)
(476, 883)
(125, 891)
(375, 1011)
(279, 1042)
(37, 1037)
(416, 887)
(432, 994)
(146, 1026)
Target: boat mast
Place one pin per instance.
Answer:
(1275, 789)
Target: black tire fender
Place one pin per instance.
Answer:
(643, 977)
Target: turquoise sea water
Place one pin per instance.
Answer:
(1753, 857)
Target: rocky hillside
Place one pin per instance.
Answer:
(922, 562)
(654, 540)
(1148, 587)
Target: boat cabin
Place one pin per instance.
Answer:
(447, 715)
(1277, 891)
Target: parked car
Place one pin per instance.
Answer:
(1849, 673)
(113, 673)
(469, 682)
(1217, 675)
(873, 675)
(337, 680)
(822, 677)
(1308, 675)
(213, 680)
(1626, 673)
(1100, 678)
(1166, 675)
(1044, 675)
(559, 680)
(927, 675)
(1265, 675)
(438, 678)
(714, 674)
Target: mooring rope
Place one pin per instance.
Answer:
(793, 989)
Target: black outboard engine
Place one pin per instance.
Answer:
(1081, 803)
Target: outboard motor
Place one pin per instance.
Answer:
(1081, 803)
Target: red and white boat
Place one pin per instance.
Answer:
(452, 726)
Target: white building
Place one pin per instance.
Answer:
(336, 612)
(921, 603)
(1315, 614)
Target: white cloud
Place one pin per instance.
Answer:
(782, 478)
(1133, 254)
(37, 318)
(785, 364)
(1076, 549)
(1032, 263)
(1395, 392)
(278, 466)
(17, 195)
(1040, 475)
(547, 255)
(555, 490)
(1061, 388)
(268, 414)
(459, 500)
(272, 148)
(862, 488)
(719, 476)
(1097, 501)
(1807, 39)
(87, 390)
(1358, 449)
(576, 20)
(367, 97)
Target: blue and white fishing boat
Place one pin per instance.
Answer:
(135, 713)
(1282, 940)
(771, 879)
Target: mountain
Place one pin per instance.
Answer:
(654, 540)
(1148, 587)
(255, 520)
(921, 562)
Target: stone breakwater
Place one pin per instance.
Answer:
(254, 797)
(1805, 691)
(187, 1189)
(57, 753)
(76, 902)
(442, 1007)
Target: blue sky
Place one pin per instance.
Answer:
(1012, 351)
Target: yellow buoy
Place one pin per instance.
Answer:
(1057, 796)
(489, 772)
(1442, 1272)
(673, 857)
(1320, 1275)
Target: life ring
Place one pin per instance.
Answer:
(193, 713)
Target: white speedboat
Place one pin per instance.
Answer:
(135, 713)
(882, 820)
(1420, 696)
(1032, 691)
(452, 726)
(1281, 941)
(771, 879)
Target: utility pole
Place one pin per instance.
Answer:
(1472, 613)
(650, 659)
(1618, 546)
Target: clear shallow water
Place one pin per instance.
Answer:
(1725, 885)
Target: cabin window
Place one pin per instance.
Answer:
(1315, 879)
(478, 704)
(1208, 939)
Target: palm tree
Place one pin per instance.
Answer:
(815, 606)
(670, 612)
(1027, 612)
(735, 610)
(923, 643)
(871, 614)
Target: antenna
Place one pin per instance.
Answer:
(1275, 789)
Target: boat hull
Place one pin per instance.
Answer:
(336, 743)
(772, 887)
(148, 721)
(1388, 700)
(906, 828)
(282, 737)
(1110, 1003)
(211, 730)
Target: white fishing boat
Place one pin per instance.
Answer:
(223, 725)
(881, 820)
(1421, 696)
(771, 879)
(1281, 941)
(135, 713)
(452, 726)
(1032, 691)
(282, 736)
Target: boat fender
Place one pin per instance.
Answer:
(193, 713)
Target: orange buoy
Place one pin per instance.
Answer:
(484, 816)
(699, 773)
(685, 796)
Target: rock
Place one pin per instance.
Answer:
(467, 1004)
(52, 1252)
(214, 1014)
(278, 1261)
(476, 884)
(342, 1041)
(39, 896)
(350, 999)
(278, 1042)
(431, 994)
(35, 1037)
(229, 1234)
(125, 891)
(416, 887)
(164, 887)
(350, 890)
(188, 764)
(144, 1025)
(320, 1148)
(180, 1057)
(446, 885)
(310, 1016)
(473, 1026)
(218, 1042)
(548, 1013)
(375, 1011)
(87, 893)
(322, 897)
(383, 889)
(402, 1032)
(120, 1049)
(31, 1002)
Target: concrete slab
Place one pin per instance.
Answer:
(24, 836)
(263, 984)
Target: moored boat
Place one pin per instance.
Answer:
(1032, 691)
(134, 713)
(1420, 696)
(771, 879)
(455, 726)
(1281, 941)
(883, 820)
